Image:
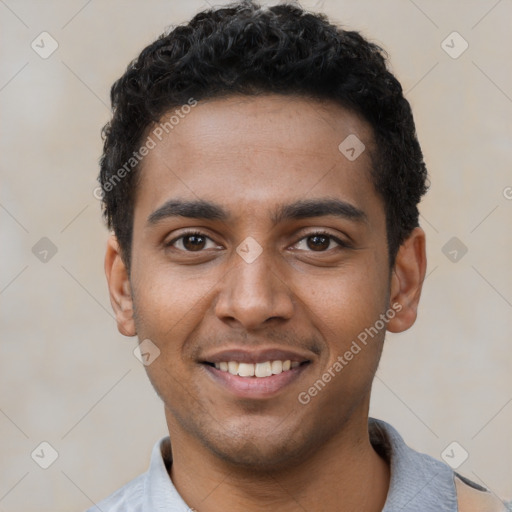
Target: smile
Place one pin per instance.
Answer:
(255, 374)
(257, 370)
(253, 380)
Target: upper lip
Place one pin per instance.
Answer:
(244, 355)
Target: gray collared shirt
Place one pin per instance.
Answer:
(418, 481)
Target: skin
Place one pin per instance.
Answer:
(191, 297)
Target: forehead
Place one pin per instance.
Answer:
(253, 153)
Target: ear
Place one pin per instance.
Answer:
(119, 288)
(407, 281)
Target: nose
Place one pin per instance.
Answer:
(254, 294)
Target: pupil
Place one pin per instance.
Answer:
(193, 242)
(318, 242)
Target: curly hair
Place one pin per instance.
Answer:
(247, 49)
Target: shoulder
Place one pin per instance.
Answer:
(473, 498)
(421, 483)
(128, 498)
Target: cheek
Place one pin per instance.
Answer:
(168, 308)
(347, 302)
(169, 304)
(345, 310)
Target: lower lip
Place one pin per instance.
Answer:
(255, 387)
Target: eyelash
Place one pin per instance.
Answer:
(341, 243)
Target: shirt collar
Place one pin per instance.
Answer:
(418, 481)
(159, 491)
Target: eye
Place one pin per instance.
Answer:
(320, 242)
(192, 242)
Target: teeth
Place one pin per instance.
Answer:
(265, 369)
(233, 367)
(246, 370)
(277, 367)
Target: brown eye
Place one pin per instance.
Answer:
(321, 242)
(318, 242)
(194, 242)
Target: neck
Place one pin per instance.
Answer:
(345, 474)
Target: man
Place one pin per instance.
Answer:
(261, 175)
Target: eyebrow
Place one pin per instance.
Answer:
(207, 210)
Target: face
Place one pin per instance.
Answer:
(258, 246)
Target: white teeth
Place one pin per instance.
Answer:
(246, 370)
(233, 367)
(265, 369)
(277, 367)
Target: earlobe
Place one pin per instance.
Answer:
(119, 288)
(407, 281)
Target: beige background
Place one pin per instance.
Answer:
(67, 377)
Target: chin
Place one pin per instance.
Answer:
(256, 455)
(258, 449)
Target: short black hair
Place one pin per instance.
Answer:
(247, 49)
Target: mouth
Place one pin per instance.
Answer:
(256, 375)
(257, 370)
